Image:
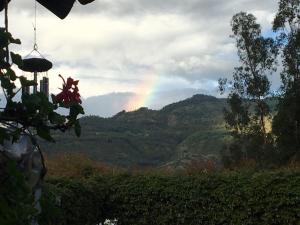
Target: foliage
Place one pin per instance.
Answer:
(227, 198)
(34, 115)
(35, 112)
(73, 165)
(250, 88)
(193, 128)
(16, 200)
(149, 137)
(286, 124)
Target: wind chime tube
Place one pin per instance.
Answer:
(35, 80)
(44, 86)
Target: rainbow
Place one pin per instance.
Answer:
(144, 92)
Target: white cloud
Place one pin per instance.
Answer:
(111, 45)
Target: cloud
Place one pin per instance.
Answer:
(212, 9)
(111, 45)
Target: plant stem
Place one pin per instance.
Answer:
(6, 28)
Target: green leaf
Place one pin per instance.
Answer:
(11, 74)
(44, 132)
(4, 38)
(8, 86)
(26, 83)
(56, 118)
(31, 100)
(15, 41)
(16, 59)
(53, 97)
(4, 64)
(75, 110)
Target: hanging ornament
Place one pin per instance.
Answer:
(35, 63)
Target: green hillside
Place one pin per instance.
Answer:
(187, 129)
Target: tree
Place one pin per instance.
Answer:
(286, 124)
(248, 111)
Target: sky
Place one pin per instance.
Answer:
(139, 48)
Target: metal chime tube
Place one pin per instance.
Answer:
(35, 80)
(44, 86)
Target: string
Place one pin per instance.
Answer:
(35, 47)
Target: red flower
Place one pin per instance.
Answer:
(69, 93)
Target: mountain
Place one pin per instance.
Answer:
(109, 104)
(106, 105)
(192, 128)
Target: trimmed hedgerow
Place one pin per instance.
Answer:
(212, 199)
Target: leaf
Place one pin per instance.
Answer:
(4, 38)
(53, 97)
(8, 86)
(4, 64)
(16, 59)
(12, 75)
(75, 110)
(44, 132)
(26, 83)
(15, 41)
(56, 118)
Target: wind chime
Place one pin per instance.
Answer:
(34, 63)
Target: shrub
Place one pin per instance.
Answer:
(16, 200)
(234, 198)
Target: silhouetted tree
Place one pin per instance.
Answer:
(286, 124)
(248, 111)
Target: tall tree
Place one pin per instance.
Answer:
(286, 125)
(248, 111)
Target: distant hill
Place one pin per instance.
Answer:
(192, 128)
(108, 105)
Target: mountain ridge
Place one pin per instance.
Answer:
(146, 137)
(107, 105)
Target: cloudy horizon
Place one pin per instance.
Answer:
(138, 46)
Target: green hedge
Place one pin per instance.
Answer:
(16, 200)
(214, 199)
